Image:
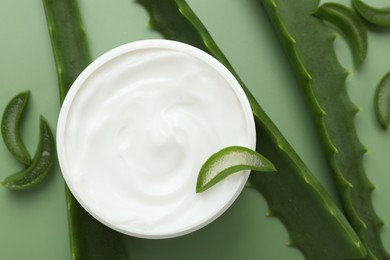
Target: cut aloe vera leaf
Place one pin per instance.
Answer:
(230, 160)
(292, 193)
(89, 239)
(309, 48)
(68, 40)
(10, 127)
(377, 16)
(350, 25)
(40, 166)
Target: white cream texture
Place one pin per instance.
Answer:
(137, 131)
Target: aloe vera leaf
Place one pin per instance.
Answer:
(382, 101)
(89, 239)
(293, 194)
(377, 16)
(41, 164)
(67, 35)
(228, 161)
(10, 127)
(310, 48)
(350, 25)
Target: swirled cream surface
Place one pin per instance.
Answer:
(135, 129)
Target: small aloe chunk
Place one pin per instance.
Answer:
(10, 127)
(230, 160)
(377, 16)
(350, 25)
(40, 166)
(382, 101)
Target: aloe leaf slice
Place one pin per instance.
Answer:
(350, 25)
(377, 16)
(382, 101)
(230, 160)
(10, 127)
(40, 166)
(89, 239)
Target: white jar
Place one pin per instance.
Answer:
(135, 128)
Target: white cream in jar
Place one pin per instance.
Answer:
(135, 128)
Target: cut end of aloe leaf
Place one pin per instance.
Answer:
(230, 160)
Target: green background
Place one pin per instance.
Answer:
(33, 223)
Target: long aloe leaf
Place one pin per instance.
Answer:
(89, 239)
(315, 224)
(310, 48)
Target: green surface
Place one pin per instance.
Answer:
(33, 223)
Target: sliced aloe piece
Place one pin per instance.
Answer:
(382, 101)
(349, 24)
(10, 127)
(377, 16)
(230, 160)
(40, 166)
